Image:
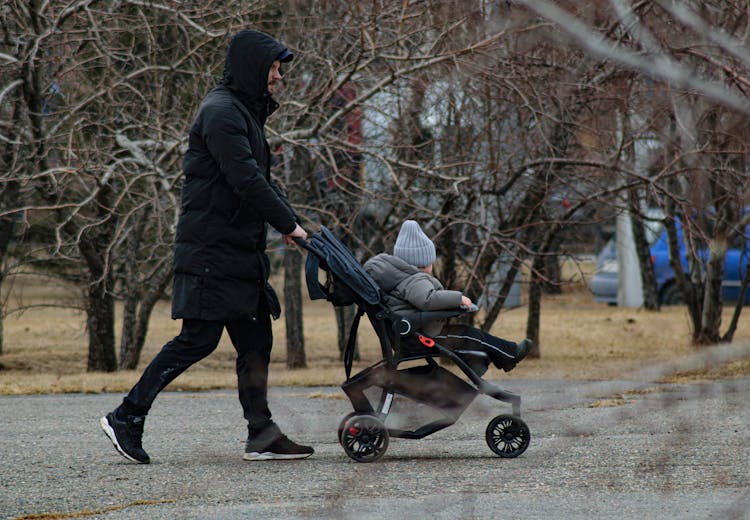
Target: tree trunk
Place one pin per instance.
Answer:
(136, 319)
(535, 306)
(2, 317)
(295, 338)
(552, 272)
(100, 305)
(711, 316)
(131, 289)
(128, 358)
(10, 199)
(710, 324)
(100, 321)
(7, 225)
(729, 334)
(642, 250)
(140, 295)
(692, 293)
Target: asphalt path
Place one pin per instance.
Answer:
(622, 449)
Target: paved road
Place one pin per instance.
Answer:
(663, 451)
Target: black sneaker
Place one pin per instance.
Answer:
(521, 350)
(280, 447)
(126, 436)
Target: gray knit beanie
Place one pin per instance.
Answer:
(413, 246)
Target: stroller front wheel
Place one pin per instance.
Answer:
(364, 438)
(508, 436)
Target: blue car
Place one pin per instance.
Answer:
(735, 264)
(604, 283)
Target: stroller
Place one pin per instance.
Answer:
(408, 372)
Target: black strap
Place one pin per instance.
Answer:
(349, 350)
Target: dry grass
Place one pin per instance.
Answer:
(46, 348)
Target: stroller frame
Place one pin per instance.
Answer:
(362, 433)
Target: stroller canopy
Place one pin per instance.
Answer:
(332, 255)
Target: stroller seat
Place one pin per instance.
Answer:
(478, 359)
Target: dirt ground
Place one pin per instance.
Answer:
(45, 348)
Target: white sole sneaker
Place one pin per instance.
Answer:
(104, 423)
(269, 455)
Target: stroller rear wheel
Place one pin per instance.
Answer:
(364, 438)
(343, 423)
(508, 436)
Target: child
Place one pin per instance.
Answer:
(407, 281)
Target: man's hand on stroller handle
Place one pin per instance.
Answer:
(297, 233)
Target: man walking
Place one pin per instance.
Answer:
(220, 266)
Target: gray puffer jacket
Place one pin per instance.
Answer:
(407, 288)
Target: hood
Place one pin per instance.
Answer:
(389, 271)
(249, 58)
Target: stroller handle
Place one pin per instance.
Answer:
(301, 242)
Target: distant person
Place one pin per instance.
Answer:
(220, 266)
(406, 278)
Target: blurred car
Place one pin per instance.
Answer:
(603, 284)
(605, 281)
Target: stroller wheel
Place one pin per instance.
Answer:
(364, 438)
(508, 436)
(343, 423)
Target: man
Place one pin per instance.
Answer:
(220, 266)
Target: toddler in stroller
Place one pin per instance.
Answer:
(408, 285)
(408, 309)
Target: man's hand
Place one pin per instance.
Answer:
(297, 233)
(466, 302)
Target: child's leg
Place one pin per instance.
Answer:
(503, 353)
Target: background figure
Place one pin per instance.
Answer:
(220, 266)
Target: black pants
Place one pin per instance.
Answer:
(252, 339)
(458, 335)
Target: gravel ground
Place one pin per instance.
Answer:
(599, 450)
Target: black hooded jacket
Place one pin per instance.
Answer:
(228, 198)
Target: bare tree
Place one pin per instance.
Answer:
(107, 89)
(693, 67)
(475, 118)
(448, 138)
